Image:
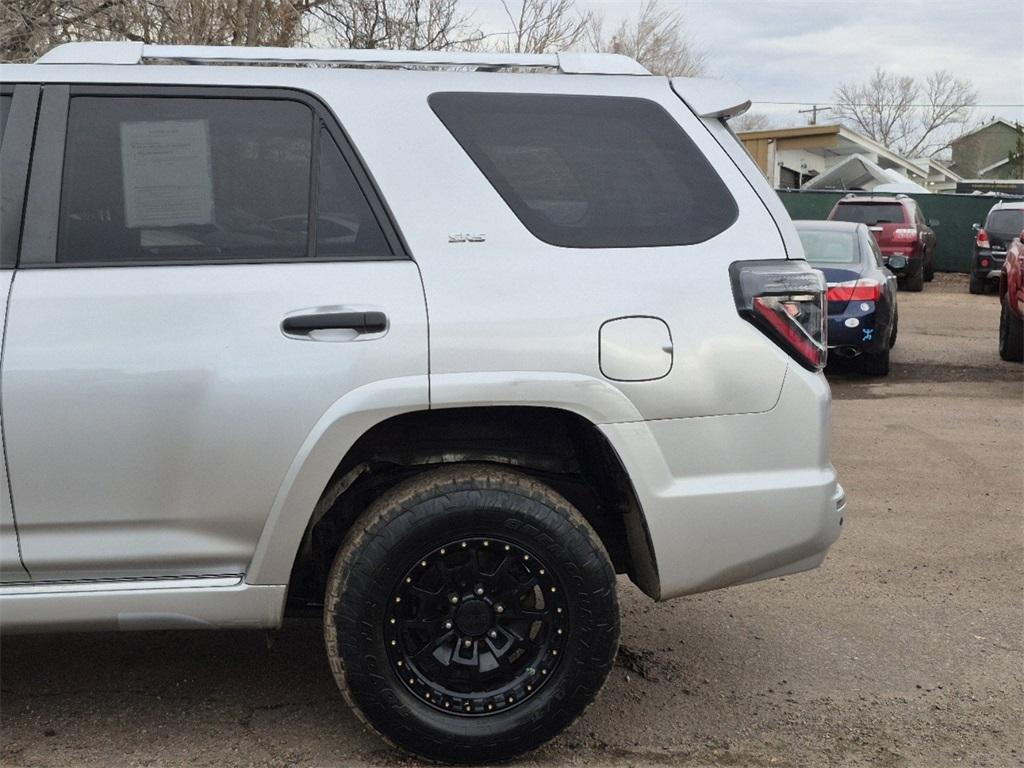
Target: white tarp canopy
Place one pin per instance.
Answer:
(857, 172)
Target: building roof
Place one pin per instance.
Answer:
(858, 141)
(944, 169)
(984, 127)
(994, 165)
(859, 172)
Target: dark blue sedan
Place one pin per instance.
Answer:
(862, 314)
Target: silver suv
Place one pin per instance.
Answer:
(432, 341)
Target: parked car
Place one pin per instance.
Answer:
(900, 229)
(211, 414)
(1011, 302)
(862, 311)
(1003, 223)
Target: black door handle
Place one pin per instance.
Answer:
(361, 322)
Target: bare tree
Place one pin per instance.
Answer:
(30, 27)
(751, 121)
(407, 24)
(540, 26)
(913, 118)
(656, 37)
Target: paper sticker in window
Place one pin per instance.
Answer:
(167, 173)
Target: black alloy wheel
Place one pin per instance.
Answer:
(476, 626)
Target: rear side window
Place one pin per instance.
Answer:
(876, 252)
(166, 179)
(591, 171)
(1005, 222)
(870, 213)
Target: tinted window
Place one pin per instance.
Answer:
(189, 179)
(5, 110)
(870, 213)
(591, 171)
(345, 226)
(822, 246)
(1005, 222)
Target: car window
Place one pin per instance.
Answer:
(155, 179)
(870, 213)
(827, 247)
(1005, 221)
(876, 252)
(591, 171)
(345, 225)
(5, 111)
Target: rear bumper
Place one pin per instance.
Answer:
(987, 264)
(858, 328)
(914, 261)
(733, 499)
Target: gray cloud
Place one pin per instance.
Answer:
(799, 50)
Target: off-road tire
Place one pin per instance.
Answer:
(875, 363)
(1011, 334)
(977, 284)
(450, 504)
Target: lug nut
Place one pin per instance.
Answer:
(492, 634)
(453, 599)
(448, 625)
(499, 608)
(467, 643)
(479, 590)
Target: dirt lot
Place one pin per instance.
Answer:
(903, 650)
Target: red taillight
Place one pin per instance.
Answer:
(982, 240)
(786, 301)
(904, 235)
(984, 262)
(855, 290)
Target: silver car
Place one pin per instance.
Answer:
(430, 340)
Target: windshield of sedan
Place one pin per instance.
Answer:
(824, 247)
(870, 213)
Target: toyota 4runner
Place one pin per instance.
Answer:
(432, 341)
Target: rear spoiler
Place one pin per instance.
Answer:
(716, 99)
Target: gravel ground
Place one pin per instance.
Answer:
(904, 649)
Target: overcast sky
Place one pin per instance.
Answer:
(799, 50)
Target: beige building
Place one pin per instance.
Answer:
(793, 158)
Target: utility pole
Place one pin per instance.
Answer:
(814, 110)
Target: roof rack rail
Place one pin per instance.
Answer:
(140, 53)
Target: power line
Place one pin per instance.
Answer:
(814, 112)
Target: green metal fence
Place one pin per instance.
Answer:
(951, 216)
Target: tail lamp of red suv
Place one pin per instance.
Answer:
(785, 300)
(904, 235)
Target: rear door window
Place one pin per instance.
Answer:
(591, 171)
(870, 213)
(181, 179)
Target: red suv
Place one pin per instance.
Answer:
(900, 229)
(1011, 301)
